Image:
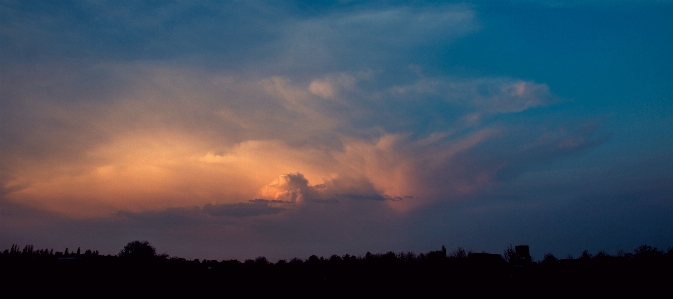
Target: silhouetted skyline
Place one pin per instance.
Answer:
(138, 268)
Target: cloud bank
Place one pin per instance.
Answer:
(147, 136)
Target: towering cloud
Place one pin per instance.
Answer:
(291, 187)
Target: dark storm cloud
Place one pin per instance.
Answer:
(372, 197)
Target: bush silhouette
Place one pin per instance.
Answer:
(138, 250)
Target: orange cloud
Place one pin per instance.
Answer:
(176, 138)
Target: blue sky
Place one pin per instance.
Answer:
(244, 128)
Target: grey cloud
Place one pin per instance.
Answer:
(324, 225)
(168, 218)
(389, 26)
(395, 198)
(372, 196)
(261, 200)
(5, 187)
(192, 99)
(119, 30)
(485, 95)
(509, 155)
(336, 39)
(592, 3)
(477, 163)
(250, 209)
(236, 35)
(295, 180)
(362, 196)
(195, 215)
(324, 200)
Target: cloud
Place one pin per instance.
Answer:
(363, 196)
(313, 98)
(249, 209)
(171, 218)
(594, 3)
(151, 137)
(239, 35)
(485, 95)
(114, 31)
(329, 86)
(335, 39)
(290, 187)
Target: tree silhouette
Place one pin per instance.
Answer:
(646, 251)
(509, 254)
(586, 255)
(549, 258)
(138, 249)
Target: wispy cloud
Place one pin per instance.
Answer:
(484, 95)
(391, 33)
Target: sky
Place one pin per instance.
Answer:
(238, 129)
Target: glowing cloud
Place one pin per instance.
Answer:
(328, 87)
(191, 137)
(290, 187)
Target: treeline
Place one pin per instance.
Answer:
(143, 250)
(28, 251)
(138, 266)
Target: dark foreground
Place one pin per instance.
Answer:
(387, 275)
